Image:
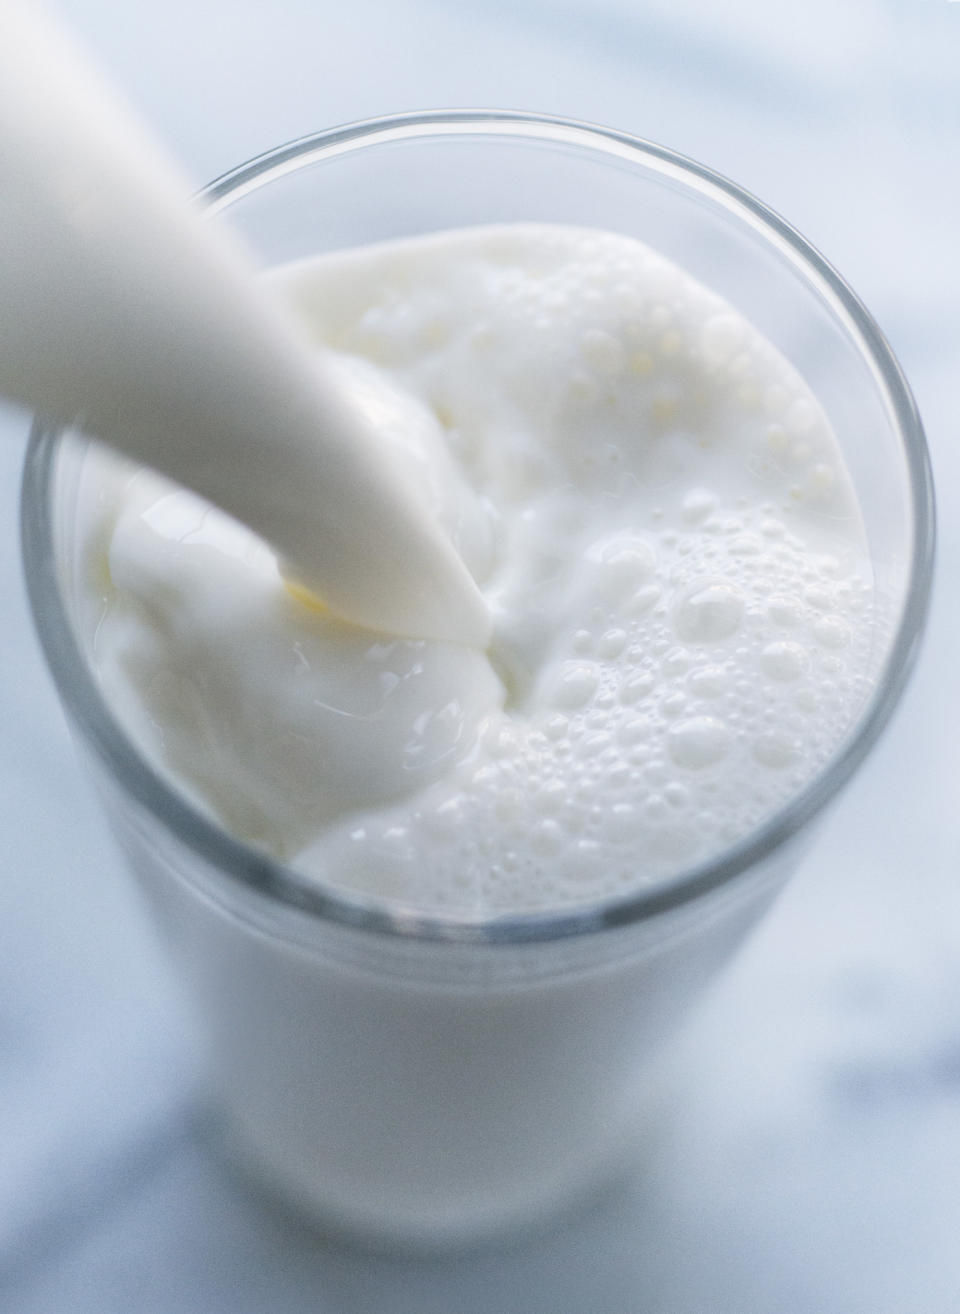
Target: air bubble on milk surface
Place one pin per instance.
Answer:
(674, 704)
(784, 611)
(635, 685)
(677, 662)
(832, 632)
(783, 660)
(710, 612)
(644, 600)
(708, 681)
(620, 565)
(574, 684)
(698, 741)
(777, 750)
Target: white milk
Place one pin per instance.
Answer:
(124, 312)
(661, 523)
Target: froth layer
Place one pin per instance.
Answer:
(659, 516)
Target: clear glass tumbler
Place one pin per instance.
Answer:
(425, 1080)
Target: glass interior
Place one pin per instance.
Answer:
(422, 173)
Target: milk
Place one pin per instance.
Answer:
(123, 312)
(661, 523)
(430, 1051)
(664, 532)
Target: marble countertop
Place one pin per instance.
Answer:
(813, 1163)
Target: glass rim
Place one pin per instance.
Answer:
(256, 872)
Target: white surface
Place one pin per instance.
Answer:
(810, 1162)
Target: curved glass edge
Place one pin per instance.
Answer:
(274, 880)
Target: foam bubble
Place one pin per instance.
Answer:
(677, 795)
(635, 730)
(776, 750)
(783, 660)
(642, 601)
(674, 704)
(574, 684)
(784, 611)
(611, 643)
(709, 681)
(622, 564)
(636, 685)
(676, 662)
(710, 612)
(698, 741)
(832, 632)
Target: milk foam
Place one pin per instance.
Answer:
(659, 517)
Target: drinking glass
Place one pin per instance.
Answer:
(430, 1079)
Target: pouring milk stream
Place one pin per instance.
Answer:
(126, 314)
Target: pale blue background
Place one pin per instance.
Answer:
(813, 1164)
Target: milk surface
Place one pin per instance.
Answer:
(659, 518)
